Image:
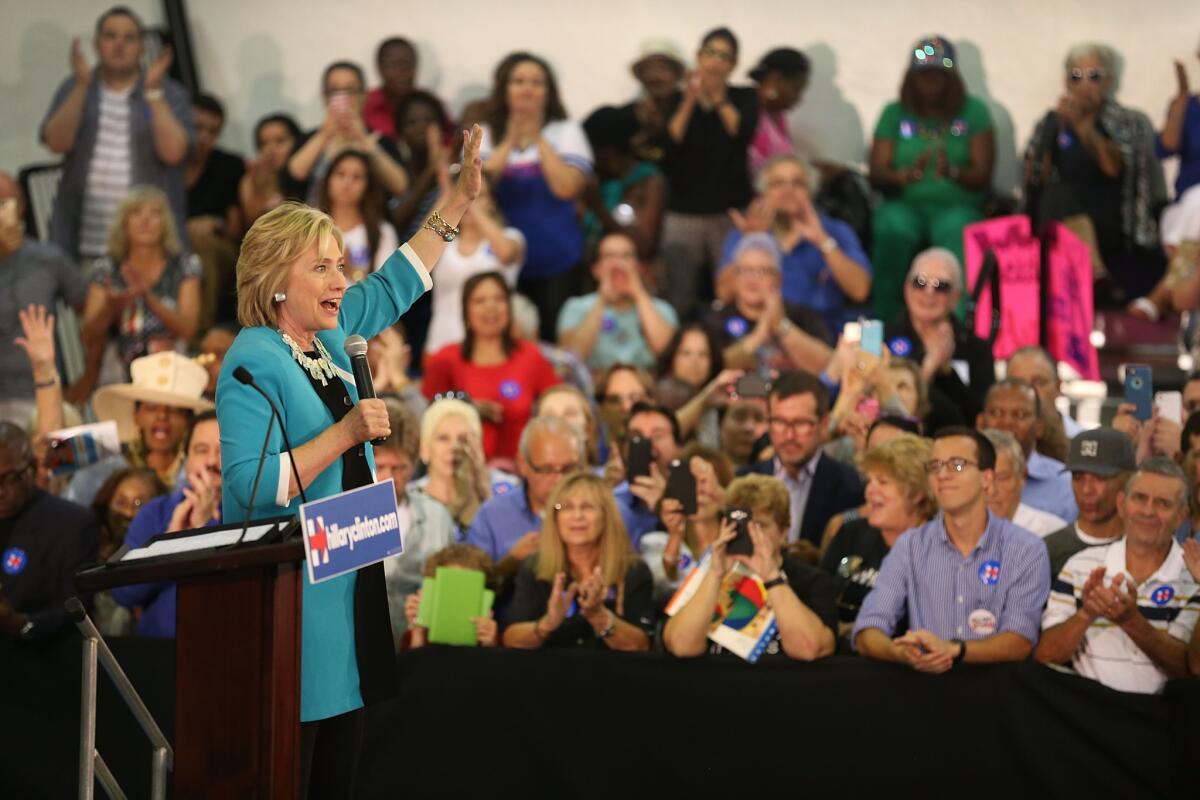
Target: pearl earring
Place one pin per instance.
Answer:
(280, 297)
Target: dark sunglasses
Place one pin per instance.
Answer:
(921, 283)
(1094, 75)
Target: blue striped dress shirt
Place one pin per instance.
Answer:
(1001, 586)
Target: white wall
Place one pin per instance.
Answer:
(265, 55)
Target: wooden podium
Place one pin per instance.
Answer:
(237, 664)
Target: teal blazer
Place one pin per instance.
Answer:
(329, 672)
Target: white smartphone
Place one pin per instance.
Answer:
(1169, 405)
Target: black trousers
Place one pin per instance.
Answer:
(329, 753)
(549, 295)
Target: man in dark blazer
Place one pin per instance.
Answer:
(819, 486)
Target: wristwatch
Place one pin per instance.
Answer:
(962, 650)
(778, 580)
(829, 245)
(785, 326)
(611, 628)
(26, 629)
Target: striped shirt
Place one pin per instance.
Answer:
(1169, 599)
(109, 171)
(1000, 586)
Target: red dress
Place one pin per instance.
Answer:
(515, 385)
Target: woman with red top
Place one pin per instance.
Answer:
(503, 375)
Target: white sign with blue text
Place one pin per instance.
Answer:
(350, 530)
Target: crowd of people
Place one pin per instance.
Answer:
(666, 276)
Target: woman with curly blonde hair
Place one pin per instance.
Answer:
(899, 498)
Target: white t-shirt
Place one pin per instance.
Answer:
(1034, 520)
(109, 172)
(453, 270)
(358, 257)
(1167, 599)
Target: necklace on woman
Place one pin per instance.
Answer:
(321, 367)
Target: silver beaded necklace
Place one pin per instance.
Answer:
(321, 368)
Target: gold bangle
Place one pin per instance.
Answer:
(444, 229)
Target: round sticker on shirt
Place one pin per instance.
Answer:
(907, 129)
(15, 560)
(608, 323)
(500, 487)
(989, 573)
(958, 127)
(685, 562)
(737, 326)
(982, 622)
(1162, 595)
(900, 346)
(510, 390)
(1064, 140)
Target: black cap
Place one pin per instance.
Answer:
(1101, 451)
(784, 60)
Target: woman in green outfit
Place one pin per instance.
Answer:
(932, 157)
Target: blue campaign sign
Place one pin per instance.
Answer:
(350, 530)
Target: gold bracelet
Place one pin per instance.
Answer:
(444, 229)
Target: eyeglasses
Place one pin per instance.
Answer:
(955, 464)
(756, 272)
(1094, 75)
(923, 282)
(128, 508)
(15, 477)
(552, 469)
(586, 507)
(713, 52)
(794, 425)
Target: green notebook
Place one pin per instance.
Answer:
(449, 600)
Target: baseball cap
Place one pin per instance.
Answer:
(933, 52)
(1101, 451)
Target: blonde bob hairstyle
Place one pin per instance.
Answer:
(903, 460)
(272, 245)
(438, 411)
(616, 553)
(138, 197)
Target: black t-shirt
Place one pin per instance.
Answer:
(854, 557)
(41, 548)
(216, 190)
(708, 172)
(356, 471)
(1087, 189)
(727, 325)
(968, 397)
(814, 588)
(531, 598)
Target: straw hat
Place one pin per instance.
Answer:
(167, 379)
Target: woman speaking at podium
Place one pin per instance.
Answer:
(297, 310)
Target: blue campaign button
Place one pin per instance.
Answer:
(737, 326)
(1162, 595)
(510, 390)
(608, 323)
(15, 560)
(900, 346)
(907, 129)
(989, 572)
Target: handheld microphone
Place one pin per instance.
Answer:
(356, 348)
(244, 377)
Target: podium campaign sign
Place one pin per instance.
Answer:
(350, 530)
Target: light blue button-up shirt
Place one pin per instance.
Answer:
(1000, 586)
(1048, 488)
